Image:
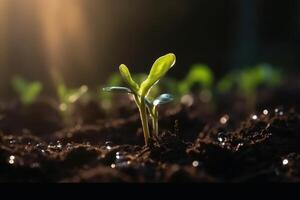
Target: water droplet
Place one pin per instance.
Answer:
(12, 141)
(265, 112)
(122, 160)
(254, 117)
(238, 146)
(224, 119)
(222, 137)
(11, 159)
(285, 161)
(195, 163)
(279, 111)
(113, 165)
(120, 155)
(108, 145)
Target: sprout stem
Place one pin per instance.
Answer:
(144, 119)
(155, 121)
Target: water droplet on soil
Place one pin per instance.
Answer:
(11, 159)
(113, 166)
(279, 111)
(122, 160)
(108, 145)
(254, 117)
(195, 163)
(265, 112)
(224, 119)
(222, 137)
(285, 161)
(12, 141)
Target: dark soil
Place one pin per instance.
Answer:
(193, 145)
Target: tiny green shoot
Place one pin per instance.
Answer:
(27, 91)
(140, 92)
(68, 96)
(198, 74)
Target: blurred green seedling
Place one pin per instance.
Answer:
(68, 96)
(198, 75)
(140, 92)
(27, 91)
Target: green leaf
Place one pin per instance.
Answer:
(201, 74)
(163, 99)
(27, 91)
(117, 89)
(70, 95)
(160, 67)
(114, 79)
(127, 77)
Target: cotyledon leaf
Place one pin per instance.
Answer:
(127, 77)
(160, 67)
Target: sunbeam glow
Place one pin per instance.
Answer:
(63, 25)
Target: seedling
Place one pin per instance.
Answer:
(27, 91)
(68, 96)
(198, 74)
(140, 92)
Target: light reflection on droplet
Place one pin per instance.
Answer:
(224, 119)
(11, 159)
(265, 112)
(285, 161)
(195, 163)
(113, 165)
(254, 117)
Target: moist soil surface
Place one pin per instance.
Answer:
(195, 144)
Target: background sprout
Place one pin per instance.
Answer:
(141, 92)
(68, 96)
(27, 91)
(198, 74)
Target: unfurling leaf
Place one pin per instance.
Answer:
(160, 67)
(127, 77)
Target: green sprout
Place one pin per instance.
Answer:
(249, 79)
(68, 96)
(140, 92)
(198, 74)
(28, 91)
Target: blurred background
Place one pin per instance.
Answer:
(84, 41)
